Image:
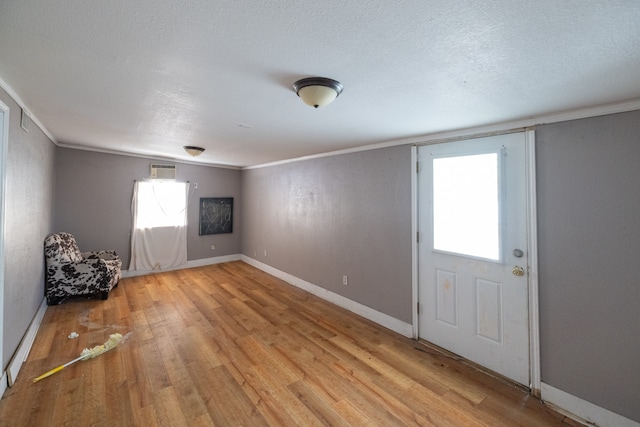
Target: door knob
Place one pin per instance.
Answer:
(517, 271)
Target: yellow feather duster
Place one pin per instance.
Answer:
(86, 354)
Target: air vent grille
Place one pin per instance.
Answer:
(163, 171)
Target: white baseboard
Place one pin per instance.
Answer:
(189, 264)
(583, 411)
(362, 310)
(3, 384)
(25, 345)
(355, 307)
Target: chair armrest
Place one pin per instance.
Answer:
(87, 263)
(109, 255)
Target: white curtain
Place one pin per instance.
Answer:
(159, 231)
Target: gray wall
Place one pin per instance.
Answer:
(29, 219)
(93, 201)
(589, 247)
(324, 218)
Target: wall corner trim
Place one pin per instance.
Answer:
(25, 345)
(381, 319)
(581, 410)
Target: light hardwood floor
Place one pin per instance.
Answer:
(229, 345)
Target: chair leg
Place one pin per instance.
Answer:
(104, 295)
(54, 300)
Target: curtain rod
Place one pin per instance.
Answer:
(150, 179)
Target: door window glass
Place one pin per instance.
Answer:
(466, 208)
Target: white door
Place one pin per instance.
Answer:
(472, 277)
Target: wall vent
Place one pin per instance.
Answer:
(25, 120)
(163, 172)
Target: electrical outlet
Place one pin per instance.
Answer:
(345, 280)
(213, 247)
(265, 252)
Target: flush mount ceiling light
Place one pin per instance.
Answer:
(194, 151)
(317, 91)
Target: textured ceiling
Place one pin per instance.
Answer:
(149, 76)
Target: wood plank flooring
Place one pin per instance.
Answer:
(229, 345)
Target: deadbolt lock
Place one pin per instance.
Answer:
(517, 271)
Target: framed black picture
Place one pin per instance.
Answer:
(216, 215)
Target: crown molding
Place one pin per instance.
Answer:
(16, 98)
(497, 128)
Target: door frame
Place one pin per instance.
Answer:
(4, 144)
(532, 244)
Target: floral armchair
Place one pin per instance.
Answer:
(73, 273)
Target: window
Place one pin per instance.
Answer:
(159, 235)
(161, 204)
